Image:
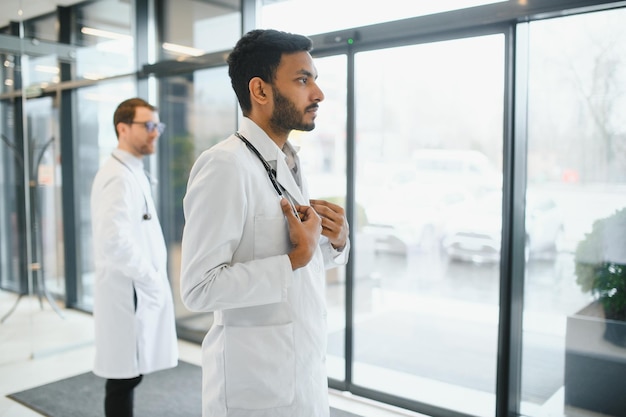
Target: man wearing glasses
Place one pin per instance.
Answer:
(135, 330)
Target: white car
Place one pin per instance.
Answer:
(475, 232)
(408, 215)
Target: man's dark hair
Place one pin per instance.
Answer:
(125, 112)
(258, 54)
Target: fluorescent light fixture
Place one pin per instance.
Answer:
(105, 34)
(180, 49)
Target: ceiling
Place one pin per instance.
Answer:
(9, 9)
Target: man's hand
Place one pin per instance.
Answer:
(305, 228)
(334, 223)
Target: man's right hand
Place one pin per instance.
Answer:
(305, 229)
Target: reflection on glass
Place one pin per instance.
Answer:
(94, 140)
(194, 27)
(323, 157)
(574, 346)
(287, 15)
(429, 177)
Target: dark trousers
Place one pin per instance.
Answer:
(119, 393)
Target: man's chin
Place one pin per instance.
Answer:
(148, 150)
(306, 127)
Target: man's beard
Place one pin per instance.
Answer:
(145, 149)
(286, 117)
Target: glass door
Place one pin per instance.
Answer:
(574, 339)
(44, 183)
(429, 146)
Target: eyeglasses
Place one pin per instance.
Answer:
(150, 126)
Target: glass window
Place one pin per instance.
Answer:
(199, 109)
(39, 72)
(574, 348)
(103, 30)
(44, 156)
(428, 182)
(94, 141)
(194, 27)
(323, 157)
(300, 16)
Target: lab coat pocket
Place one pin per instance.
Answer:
(260, 366)
(271, 237)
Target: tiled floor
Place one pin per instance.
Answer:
(37, 346)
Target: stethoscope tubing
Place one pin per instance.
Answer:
(270, 172)
(266, 165)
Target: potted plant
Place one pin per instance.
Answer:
(601, 269)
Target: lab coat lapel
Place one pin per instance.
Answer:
(285, 178)
(275, 156)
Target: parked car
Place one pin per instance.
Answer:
(405, 213)
(475, 232)
(469, 168)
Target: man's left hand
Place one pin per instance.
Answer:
(334, 223)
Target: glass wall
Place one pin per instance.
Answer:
(428, 178)
(199, 109)
(45, 195)
(323, 157)
(195, 27)
(93, 127)
(574, 350)
(103, 30)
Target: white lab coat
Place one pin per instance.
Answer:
(129, 253)
(264, 356)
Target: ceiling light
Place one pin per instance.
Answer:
(180, 49)
(105, 34)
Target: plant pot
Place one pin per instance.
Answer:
(595, 365)
(615, 330)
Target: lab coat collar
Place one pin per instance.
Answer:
(274, 155)
(129, 159)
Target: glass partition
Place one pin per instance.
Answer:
(574, 340)
(429, 145)
(199, 109)
(323, 157)
(45, 195)
(95, 140)
(195, 27)
(103, 30)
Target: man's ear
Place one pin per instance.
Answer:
(258, 90)
(121, 128)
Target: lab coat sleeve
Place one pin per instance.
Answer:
(332, 257)
(114, 229)
(218, 269)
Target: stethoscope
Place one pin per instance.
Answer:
(271, 173)
(146, 215)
